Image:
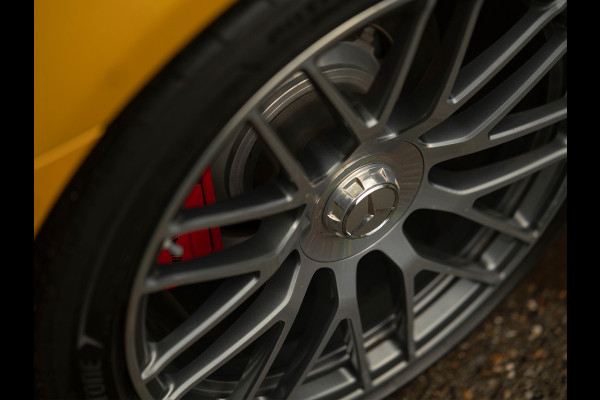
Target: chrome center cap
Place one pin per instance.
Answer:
(363, 202)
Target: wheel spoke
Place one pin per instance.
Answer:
(261, 254)
(456, 192)
(342, 109)
(478, 182)
(454, 48)
(266, 311)
(511, 127)
(264, 353)
(406, 327)
(507, 226)
(433, 197)
(485, 114)
(527, 212)
(516, 125)
(262, 202)
(211, 267)
(410, 262)
(312, 349)
(397, 248)
(429, 105)
(360, 122)
(299, 368)
(280, 150)
(348, 310)
(250, 263)
(386, 88)
(227, 298)
(323, 324)
(478, 72)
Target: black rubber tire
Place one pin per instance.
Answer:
(86, 254)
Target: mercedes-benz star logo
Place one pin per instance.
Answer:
(363, 202)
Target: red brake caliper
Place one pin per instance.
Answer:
(198, 243)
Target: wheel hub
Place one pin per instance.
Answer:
(363, 202)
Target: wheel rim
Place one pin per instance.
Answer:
(295, 308)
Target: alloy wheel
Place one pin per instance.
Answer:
(372, 202)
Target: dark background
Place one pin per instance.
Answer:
(519, 352)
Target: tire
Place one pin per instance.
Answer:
(314, 199)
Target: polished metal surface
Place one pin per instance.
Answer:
(363, 202)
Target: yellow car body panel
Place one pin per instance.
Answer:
(90, 59)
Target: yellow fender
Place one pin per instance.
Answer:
(90, 59)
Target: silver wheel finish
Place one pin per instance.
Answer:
(319, 224)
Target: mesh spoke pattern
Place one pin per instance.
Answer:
(271, 321)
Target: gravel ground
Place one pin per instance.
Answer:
(520, 350)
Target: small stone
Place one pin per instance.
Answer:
(523, 319)
(498, 320)
(467, 394)
(497, 358)
(511, 374)
(536, 330)
(492, 383)
(528, 395)
(512, 353)
(557, 331)
(511, 333)
(507, 394)
(532, 305)
(539, 353)
(480, 359)
(510, 366)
